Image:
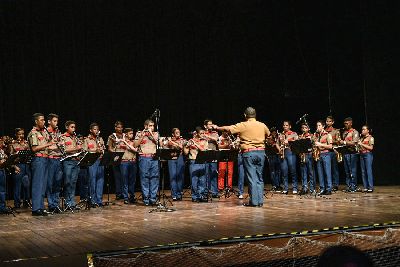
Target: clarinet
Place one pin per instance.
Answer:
(51, 137)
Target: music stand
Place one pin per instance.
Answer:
(301, 146)
(22, 156)
(88, 160)
(164, 154)
(110, 159)
(345, 149)
(227, 155)
(203, 157)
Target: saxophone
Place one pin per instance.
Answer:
(282, 145)
(316, 153)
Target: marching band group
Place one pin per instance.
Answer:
(54, 170)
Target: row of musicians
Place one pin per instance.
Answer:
(282, 164)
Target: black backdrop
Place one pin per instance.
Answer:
(106, 60)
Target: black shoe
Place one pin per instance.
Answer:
(321, 193)
(335, 188)
(39, 213)
(132, 200)
(118, 197)
(55, 210)
(328, 193)
(6, 211)
(249, 205)
(195, 200)
(126, 201)
(284, 192)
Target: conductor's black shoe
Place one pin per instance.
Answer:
(260, 205)
(39, 213)
(249, 205)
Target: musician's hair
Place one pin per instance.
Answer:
(330, 117)
(174, 129)
(250, 112)
(51, 116)
(368, 128)
(206, 121)
(305, 124)
(322, 122)
(68, 123)
(147, 122)
(348, 119)
(19, 129)
(118, 123)
(93, 124)
(36, 116)
(127, 130)
(288, 122)
(199, 129)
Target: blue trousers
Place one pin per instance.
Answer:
(83, 178)
(54, 182)
(2, 190)
(212, 177)
(335, 169)
(176, 170)
(198, 179)
(96, 182)
(307, 173)
(22, 179)
(288, 168)
(149, 178)
(366, 160)
(240, 174)
(71, 171)
(253, 163)
(324, 172)
(117, 179)
(128, 179)
(350, 168)
(274, 169)
(39, 168)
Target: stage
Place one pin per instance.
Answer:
(67, 238)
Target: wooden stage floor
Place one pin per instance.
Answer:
(66, 238)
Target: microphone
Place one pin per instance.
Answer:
(156, 113)
(301, 118)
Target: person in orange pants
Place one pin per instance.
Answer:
(225, 143)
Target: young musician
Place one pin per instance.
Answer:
(225, 168)
(306, 163)
(273, 160)
(149, 172)
(252, 135)
(129, 167)
(335, 141)
(55, 171)
(3, 158)
(39, 141)
(197, 170)
(70, 166)
(287, 157)
(115, 144)
(94, 143)
(22, 172)
(211, 167)
(350, 138)
(176, 166)
(366, 145)
(323, 142)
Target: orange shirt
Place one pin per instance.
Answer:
(251, 133)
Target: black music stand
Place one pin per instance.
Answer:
(22, 156)
(88, 160)
(110, 159)
(163, 155)
(203, 157)
(227, 155)
(301, 146)
(345, 149)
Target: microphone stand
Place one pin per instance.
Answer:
(161, 205)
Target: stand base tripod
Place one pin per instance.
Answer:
(227, 192)
(162, 206)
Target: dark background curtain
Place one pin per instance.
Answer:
(119, 60)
